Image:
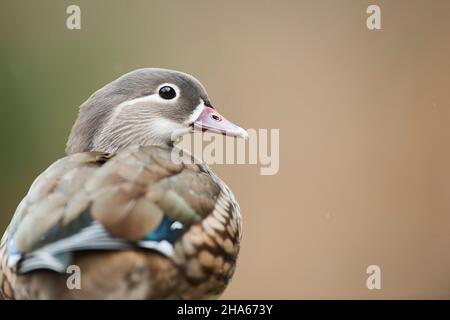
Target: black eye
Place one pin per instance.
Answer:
(167, 93)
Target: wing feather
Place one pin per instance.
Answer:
(138, 197)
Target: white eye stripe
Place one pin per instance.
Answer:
(153, 98)
(149, 98)
(132, 103)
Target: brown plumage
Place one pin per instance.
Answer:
(139, 218)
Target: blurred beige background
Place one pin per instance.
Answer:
(364, 119)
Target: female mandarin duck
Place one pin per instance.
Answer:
(139, 220)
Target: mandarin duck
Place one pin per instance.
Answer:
(137, 217)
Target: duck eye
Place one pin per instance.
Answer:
(167, 93)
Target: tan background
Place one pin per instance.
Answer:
(364, 119)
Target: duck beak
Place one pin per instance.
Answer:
(211, 120)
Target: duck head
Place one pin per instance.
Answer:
(146, 107)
